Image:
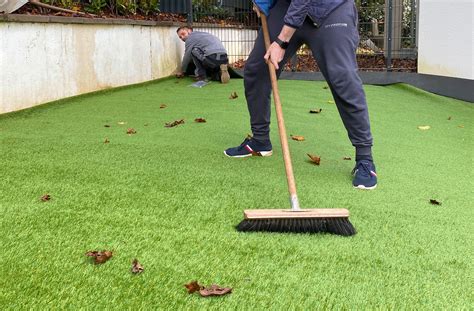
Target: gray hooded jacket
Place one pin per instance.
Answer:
(206, 42)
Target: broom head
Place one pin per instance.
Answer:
(321, 220)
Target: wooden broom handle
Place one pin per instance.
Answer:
(281, 123)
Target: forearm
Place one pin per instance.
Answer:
(286, 33)
(186, 61)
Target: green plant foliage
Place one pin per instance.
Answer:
(126, 7)
(95, 6)
(209, 8)
(148, 7)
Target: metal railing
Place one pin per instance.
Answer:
(387, 31)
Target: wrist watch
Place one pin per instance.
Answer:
(281, 43)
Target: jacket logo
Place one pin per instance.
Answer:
(336, 25)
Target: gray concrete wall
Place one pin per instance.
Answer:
(42, 62)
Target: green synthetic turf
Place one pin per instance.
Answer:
(170, 198)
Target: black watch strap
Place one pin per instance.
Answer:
(282, 44)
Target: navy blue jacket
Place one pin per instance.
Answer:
(316, 10)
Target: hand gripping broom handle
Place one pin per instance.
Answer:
(295, 206)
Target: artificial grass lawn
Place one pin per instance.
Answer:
(170, 198)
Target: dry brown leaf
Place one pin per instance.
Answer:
(347, 158)
(297, 138)
(215, 290)
(45, 198)
(193, 287)
(424, 127)
(314, 158)
(174, 123)
(106, 141)
(136, 267)
(233, 95)
(316, 110)
(435, 202)
(131, 131)
(100, 256)
(163, 106)
(200, 120)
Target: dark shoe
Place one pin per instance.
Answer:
(200, 78)
(365, 176)
(248, 148)
(224, 73)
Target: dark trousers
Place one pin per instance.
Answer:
(208, 66)
(333, 45)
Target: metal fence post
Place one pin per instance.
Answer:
(389, 36)
(190, 12)
(412, 23)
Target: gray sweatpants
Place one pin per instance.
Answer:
(333, 45)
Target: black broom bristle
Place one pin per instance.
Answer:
(336, 225)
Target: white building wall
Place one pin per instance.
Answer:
(446, 38)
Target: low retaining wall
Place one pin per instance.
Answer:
(46, 58)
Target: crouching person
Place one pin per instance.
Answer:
(206, 52)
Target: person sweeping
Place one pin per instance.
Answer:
(329, 28)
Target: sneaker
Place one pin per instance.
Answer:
(200, 78)
(248, 148)
(364, 174)
(224, 73)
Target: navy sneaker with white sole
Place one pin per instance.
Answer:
(365, 176)
(250, 147)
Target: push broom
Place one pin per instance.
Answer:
(321, 220)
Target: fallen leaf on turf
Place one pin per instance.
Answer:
(424, 127)
(435, 202)
(449, 118)
(106, 125)
(174, 123)
(347, 158)
(100, 256)
(163, 106)
(45, 198)
(215, 290)
(193, 287)
(106, 141)
(131, 131)
(316, 110)
(461, 126)
(297, 138)
(331, 102)
(200, 120)
(136, 267)
(121, 123)
(233, 95)
(315, 159)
